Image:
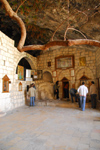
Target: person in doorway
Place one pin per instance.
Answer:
(66, 93)
(32, 93)
(82, 90)
(73, 92)
(56, 89)
(93, 94)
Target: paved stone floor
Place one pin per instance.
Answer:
(50, 128)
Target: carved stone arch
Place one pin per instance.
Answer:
(47, 76)
(29, 59)
(63, 73)
(47, 70)
(65, 79)
(84, 71)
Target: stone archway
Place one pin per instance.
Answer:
(31, 60)
(47, 77)
(84, 71)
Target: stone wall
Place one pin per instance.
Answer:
(89, 69)
(98, 62)
(9, 59)
(98, 75)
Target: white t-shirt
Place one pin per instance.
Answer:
(82, 90)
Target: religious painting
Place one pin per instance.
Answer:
(5, 84)
(36, 74)
(64, 62)
(82, 61)
(20, 72)
(39, 73)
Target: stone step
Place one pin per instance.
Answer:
(59, 103)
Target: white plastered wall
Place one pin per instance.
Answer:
(9, 59)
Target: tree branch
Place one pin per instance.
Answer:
(61, 43)
(20, 5)
(14, 16)
(56, 30)
(66, 33)
(66, 43)
(77, 31)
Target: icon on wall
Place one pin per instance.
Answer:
(20, 72)
(82, 61)
(36, 74)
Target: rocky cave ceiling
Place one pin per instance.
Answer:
(43, 17)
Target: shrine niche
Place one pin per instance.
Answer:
(84, 78)
(5, 88)
(20, 86)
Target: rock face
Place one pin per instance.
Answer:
(45, 91)
(43, 18)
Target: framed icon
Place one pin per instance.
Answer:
(64, 62)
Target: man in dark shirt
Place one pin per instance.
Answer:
(73, 92)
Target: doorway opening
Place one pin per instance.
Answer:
(65, 88)
(25, 64)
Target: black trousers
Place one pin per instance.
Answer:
(93, 100)
(73, 95)
(78, 99)
(57, 94)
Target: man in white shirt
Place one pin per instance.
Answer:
(82, 90)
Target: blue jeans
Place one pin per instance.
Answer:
(32, 100)
(82, 102)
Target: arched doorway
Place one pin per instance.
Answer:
(23, 62)
(65, 88)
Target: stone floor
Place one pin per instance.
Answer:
(50, 128)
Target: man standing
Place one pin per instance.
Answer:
(32, 93)
(82, 90)
(56, 89)
(73, 92)
(93, 94)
